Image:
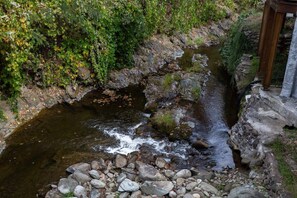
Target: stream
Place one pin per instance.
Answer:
(39, 152)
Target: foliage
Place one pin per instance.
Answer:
(70, 194)
(164, 121)
(246, 4)
(282, 150)
(236, 44)
(46, 42)
(2, 116)
(196, 91)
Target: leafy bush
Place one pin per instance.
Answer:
(46, 42)
(235, 45)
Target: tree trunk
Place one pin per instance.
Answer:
(290, 81)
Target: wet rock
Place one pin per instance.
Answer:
(120, 161)
(80, 192)
(181, 191)
(94, 174)
(200, 59)
(159, 188)
(95, 193)
(200, 144)
(169, 173)
(136, 194)
(67, 185)
(124, 195)
(196, 195)
(208, 188)
(245, 192)
(148, 172)
(191, 185)
(97, 183)
(190, 88)
(160, 162)
(121, 177)
(172, 194)
(82, 167)
(180, 181)
(72, 91)
(188, 195)
(184, 173)
(81, 177)
(128, 186)
(54, 193)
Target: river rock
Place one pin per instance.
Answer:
(136, 194)
(160, 162)
(95, 193)
(172, 194)
(120, 161)
(97, 183)
(158, 188)
(169, 173)
(81, 177)
(190, 88)
(181, 191)
(80, 192)
(82, 167)
(245, 192)
(180, 181)
(124, 195)
(121, 177)
(200, 144)
(209, 188)
(67, 185)
(84, 73)
(184, 173)
(128, 186)
(191, 185)
(148, 172)
(94, 174)
(188, 195)
(54, 193)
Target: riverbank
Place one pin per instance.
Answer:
(149, 58)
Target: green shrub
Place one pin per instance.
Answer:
(164, 121)
(235, 45)
(46, 42)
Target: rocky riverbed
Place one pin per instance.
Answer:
(128, 176)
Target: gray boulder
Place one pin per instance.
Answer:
(148, 172)
(184, 173)
(158, 188)
(82, 167)
(80, 192)
(67, 185)
(245, 192)
(128, 186)
(81, 177)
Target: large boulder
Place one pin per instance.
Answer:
(158, 188)
(148, 172)
(244, 192)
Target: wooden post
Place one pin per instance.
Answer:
(272, 22)
(276, 28)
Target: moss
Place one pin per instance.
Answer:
(196, 91)
(282, 151)
(164, 121)
(2, 116)
(70, 194)
(196, 68)
(169, 79)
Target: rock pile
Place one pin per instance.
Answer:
(130, 177)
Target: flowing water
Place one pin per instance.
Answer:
(99, 126)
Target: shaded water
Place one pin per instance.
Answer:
(39, 152)
(216, 111)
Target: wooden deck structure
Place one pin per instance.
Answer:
(272, 22)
